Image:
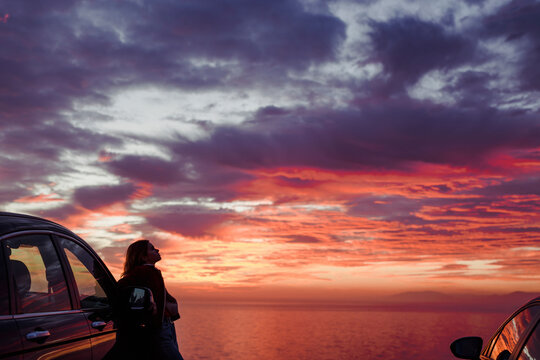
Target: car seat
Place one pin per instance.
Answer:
(22, 280)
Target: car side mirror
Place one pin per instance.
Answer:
(140, 299)
(137, 306)
(467, 347)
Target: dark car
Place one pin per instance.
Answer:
(518, 338)
(56, 294)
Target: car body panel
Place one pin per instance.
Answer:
(69, 335)
(10, 344)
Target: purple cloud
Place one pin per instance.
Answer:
(517, 22)
(95, 197)
(55, 54)
(59, 213)
(193, 221)
(145, 168)
(385, 137)
(278, 33)
(49, 140)
(409, 47)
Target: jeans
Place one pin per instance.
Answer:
(166, 343)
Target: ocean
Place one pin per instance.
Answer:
(270, 331)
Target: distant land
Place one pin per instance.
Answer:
(432, 300)
(404, 301)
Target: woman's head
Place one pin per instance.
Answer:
(140, 252)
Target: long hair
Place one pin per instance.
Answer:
(135, 255)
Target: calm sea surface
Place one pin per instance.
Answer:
(211, 331)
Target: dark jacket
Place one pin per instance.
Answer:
(150, 277)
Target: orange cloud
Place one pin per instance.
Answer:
(41, 198)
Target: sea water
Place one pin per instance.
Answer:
(270, 331)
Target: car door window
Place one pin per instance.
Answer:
(512, 331)
(88, 273)
(37, 275)
(531, 350)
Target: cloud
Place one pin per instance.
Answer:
(179, 176)
(392, 136)
(95, 197)
(79, 51)
(278, 33)
(517, 22)
(192, 221)
(409, 47)
(527, 185)
(384, 207)
(358, 176)
(50, 139)
(304, 239)
(145, 168)
(454, 267)
(62, 212)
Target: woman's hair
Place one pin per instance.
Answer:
(135, 255)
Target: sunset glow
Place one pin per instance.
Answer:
(291, 149)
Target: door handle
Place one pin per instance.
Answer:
(38, 335)
(99, 325)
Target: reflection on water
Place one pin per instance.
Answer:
(209, 331)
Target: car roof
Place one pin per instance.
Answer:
(11, 222)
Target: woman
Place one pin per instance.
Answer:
(159, 337)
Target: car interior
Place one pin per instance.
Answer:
(37, 276)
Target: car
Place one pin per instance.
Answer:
(518, 338)
(56, 294)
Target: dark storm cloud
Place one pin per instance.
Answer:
(50, 139)
(179, 178)
(193, 221)
(145, 168)
(95, 197)
(206, 181)
(471, 88)
(409, 47)
(376, 137)
(271, 32)
(517, 22)
(66, 51)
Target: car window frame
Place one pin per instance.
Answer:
(521, 342)
(535, 322)
(11, 285)
(109, 289)
(7, 278)
(64, 264)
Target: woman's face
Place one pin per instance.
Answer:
(152, 254)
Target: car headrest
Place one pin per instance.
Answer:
(21, 276)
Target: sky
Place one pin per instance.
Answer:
(282, 148)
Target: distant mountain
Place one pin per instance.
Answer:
(420, 296)
(433, 300)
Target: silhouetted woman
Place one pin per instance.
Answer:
(159, 337)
